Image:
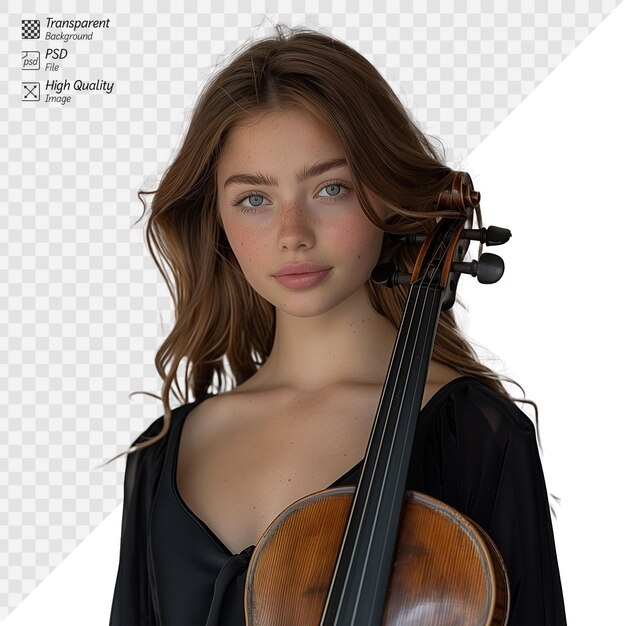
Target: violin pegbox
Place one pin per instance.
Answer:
(488, 268)
(442, 253)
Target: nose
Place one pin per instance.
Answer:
(295, 229)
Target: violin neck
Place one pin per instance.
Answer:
(359, 585)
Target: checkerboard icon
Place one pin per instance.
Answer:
(30, 29)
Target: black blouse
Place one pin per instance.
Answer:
(473, 449)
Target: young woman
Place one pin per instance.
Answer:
(297, 161)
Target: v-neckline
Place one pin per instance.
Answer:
(198, 520)
(204, 525)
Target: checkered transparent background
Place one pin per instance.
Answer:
(83, 309)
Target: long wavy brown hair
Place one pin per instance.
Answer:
(220, 321)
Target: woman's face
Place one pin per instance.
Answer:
(288, 206)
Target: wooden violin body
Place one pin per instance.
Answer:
(378, 554)
(446, 570)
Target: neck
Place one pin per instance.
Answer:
(350, 343)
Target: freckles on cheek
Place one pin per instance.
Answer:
(248, 250)
(359, 241)
(240, 241)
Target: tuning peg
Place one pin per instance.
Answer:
(386, 274)
(488, 269)
(492, 236)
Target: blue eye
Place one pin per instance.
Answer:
(261, 198)
(335, 187)
(256, 200)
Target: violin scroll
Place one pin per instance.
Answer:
(441, 255)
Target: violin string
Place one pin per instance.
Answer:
(431, 279)
(401, 343)
(381, 442)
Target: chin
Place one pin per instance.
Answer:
(302, 310)
(317, 304)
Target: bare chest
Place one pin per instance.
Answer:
(239, 466)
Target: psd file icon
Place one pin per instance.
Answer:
(30, 59)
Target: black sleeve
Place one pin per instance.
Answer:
(132, 603)
(478, 453)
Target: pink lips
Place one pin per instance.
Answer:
(301, 275)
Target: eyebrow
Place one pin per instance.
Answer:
(304, 174)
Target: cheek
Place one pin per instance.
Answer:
(362, 241)
(247, 248)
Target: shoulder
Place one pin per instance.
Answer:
(156, 427)
(478, 416)
(471, 397)
(473, 445)
(145, 465)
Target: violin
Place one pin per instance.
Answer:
(378, 553)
